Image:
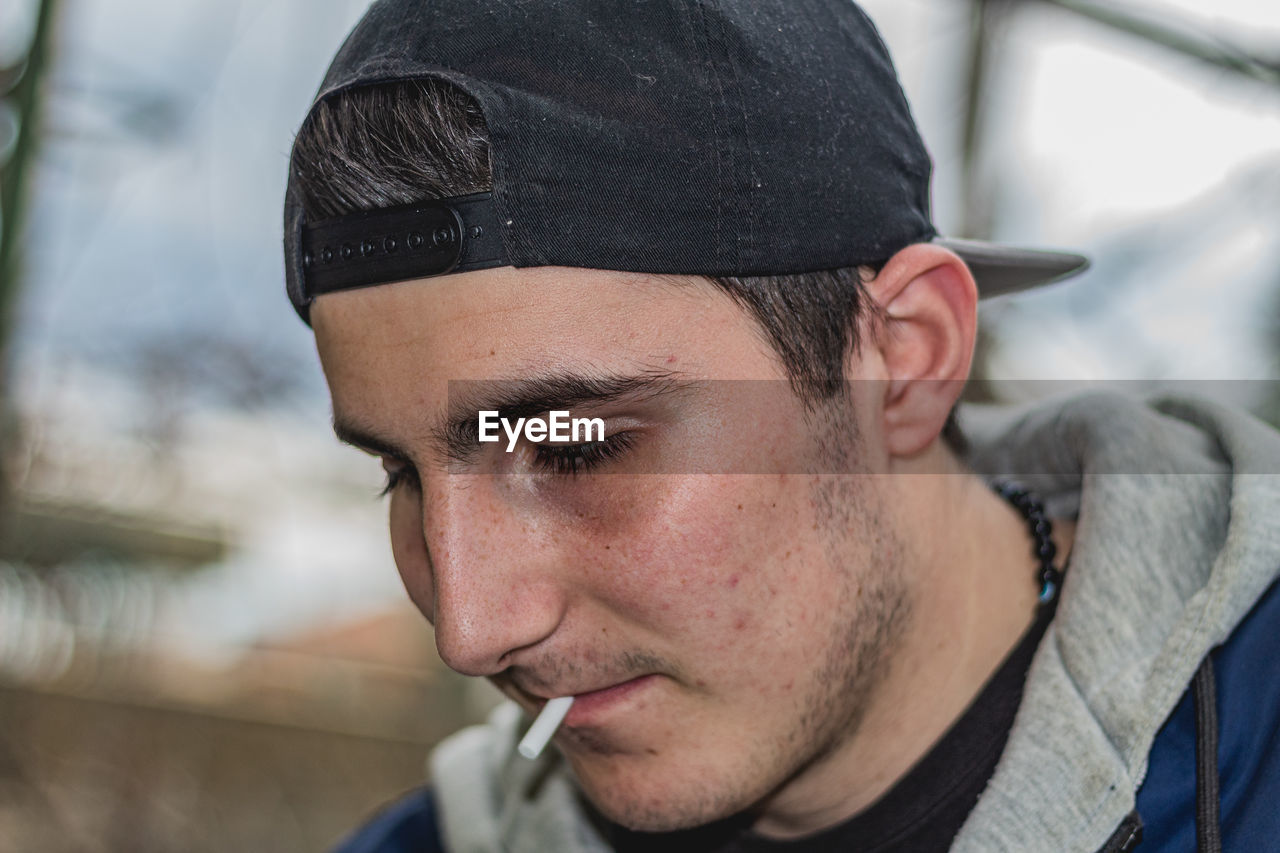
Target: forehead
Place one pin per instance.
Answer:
(507, 322)
(393, 354)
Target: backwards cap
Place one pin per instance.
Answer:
(714, 137)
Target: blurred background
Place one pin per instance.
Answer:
(203, 641)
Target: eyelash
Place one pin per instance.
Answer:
(404, 476)
(574, 459)
(561, 459)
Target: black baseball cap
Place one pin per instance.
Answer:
(713, 137)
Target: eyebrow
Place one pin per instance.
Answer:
(348, 433)
(457, 438)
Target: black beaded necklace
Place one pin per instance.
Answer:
(1031, 509)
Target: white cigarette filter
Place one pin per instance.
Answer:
(539, 735)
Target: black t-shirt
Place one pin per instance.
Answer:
(921, 813)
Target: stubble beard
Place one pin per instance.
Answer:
(875, 601)
(866, 553)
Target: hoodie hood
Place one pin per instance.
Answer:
(1178, 535)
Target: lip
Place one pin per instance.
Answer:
(592, 707)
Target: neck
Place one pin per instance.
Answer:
(974, 596)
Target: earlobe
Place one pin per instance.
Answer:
(928, 302)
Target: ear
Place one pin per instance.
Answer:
(929, 307)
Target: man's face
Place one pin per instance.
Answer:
(717, 600)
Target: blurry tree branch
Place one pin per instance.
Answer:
(24, 93)
(1212, 51)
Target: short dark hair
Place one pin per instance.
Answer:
(404, 142)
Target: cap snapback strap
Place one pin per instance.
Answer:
(399, 243)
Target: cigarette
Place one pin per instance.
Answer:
(539, 734)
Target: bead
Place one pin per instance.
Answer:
(1040, 527)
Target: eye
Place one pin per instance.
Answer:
(399, 473)
(574, 459)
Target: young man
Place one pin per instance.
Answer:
(789, 613)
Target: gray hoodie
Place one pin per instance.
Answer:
(1178, 536)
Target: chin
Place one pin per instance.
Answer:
(660, 814)
(651, 796)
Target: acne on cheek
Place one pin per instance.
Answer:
(690, 575)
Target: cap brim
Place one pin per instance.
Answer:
(1008, 269)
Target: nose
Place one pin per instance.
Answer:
(482, 568)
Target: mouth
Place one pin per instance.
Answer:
(595, 706)
(591, 707)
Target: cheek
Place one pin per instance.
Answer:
(708, 556)
(410, 550)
